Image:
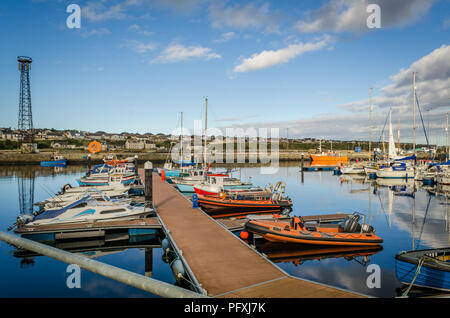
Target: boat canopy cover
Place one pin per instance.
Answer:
(447, 163)
(101, 168)
(54, 213)
(185, 163)
(413, 157)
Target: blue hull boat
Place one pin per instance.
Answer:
(54, 163)
(172, 173)
(434, 271)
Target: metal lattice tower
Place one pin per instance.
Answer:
(25, 124)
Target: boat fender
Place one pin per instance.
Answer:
(178, 269)
(243, 235)
(165, 244)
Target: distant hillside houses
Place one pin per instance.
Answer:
(9, 134)
(138, 144)
(76, 139)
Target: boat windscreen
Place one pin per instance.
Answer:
(54, 213)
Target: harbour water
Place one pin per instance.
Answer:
(405, 215)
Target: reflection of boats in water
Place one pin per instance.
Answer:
(357, 178)
(282, 252)
(426, 218)
(395, 182)
(93, 248)
(425, 268)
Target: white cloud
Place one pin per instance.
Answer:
(140, 47)
(270, 58)
(178, 53)
(97, 11)
(178, 6)
(351, 121)
(96, 32)
(446, 24)
(351, 16)
(432, 82)
(241, 17)
(139, 30)
(119, 9)
(225, 37)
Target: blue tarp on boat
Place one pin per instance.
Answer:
(413, 157)
(447, 163)
(49, 214)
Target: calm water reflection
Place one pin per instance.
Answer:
(45, 277)
(404, 214)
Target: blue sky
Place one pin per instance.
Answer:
(306, 66)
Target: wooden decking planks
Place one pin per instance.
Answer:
(222, 264)
(290, 287)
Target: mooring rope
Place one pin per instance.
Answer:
(419, 266)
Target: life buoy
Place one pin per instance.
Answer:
(94, 147)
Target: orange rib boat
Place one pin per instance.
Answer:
(348, 233)
(235, 204)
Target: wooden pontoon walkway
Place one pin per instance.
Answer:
(223, 264)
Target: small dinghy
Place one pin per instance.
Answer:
(425, 268)
(350, 232)
(56, 160)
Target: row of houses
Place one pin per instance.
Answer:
(53, 135)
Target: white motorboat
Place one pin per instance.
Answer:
(443, 178)
(397, 170)
(86, 210)
(215, 184)
(353, 169)
(60, 200)
(108, 189)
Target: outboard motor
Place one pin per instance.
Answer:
(366, 228)
(65, 187)
(351, 223)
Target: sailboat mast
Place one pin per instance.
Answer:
(398, 135)
(181, 139)
(370, 125)
(414, 112)
(206, 127)
(448, 144)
